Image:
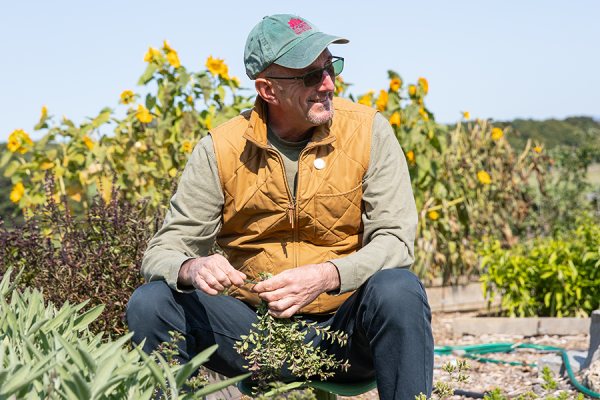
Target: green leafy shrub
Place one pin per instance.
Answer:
(549, 382)
(556, 277)
(70, 260)
(49, 352)
(443, 389)
(564, 203)
(274, 341)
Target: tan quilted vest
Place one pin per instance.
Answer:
(263, 228)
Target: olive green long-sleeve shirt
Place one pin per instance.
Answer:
(390, 216)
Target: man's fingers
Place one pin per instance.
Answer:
(211, 280)
(214, 274)
(273, 296)
(202, 285)
(224, 272)
(281, 305)
(234, 275)
(269, 285)
(241, 275)
(287, 313)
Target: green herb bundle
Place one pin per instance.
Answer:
(274, 341)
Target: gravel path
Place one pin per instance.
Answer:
(512, 380)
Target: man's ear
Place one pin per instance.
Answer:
(265, 89)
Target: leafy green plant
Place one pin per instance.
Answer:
(70, 260)
(530, 395)
(169, 350)
(49, 352)
(456, 375)
(495, 394)
(546, 277)
(564, 202)
(274, 341)
(548, 377)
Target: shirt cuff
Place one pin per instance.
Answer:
(347, 276)
(174, 267)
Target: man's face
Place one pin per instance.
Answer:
(306, 107)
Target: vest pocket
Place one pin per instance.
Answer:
(259, 263)
(338, 216)
(251, 267)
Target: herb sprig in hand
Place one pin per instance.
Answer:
(274, 341)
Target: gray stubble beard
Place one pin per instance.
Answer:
(320, 121)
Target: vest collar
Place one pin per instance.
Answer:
(257, 127)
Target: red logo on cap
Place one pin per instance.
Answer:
(298, 26)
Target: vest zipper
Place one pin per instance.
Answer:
(295, 231)
(292, 205)
(291, 211)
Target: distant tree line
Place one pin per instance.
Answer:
(550, 132)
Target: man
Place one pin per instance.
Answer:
(312, 189)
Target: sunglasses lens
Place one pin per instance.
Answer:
(338, 67)
(314, 78)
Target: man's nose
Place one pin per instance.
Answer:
(327, 83)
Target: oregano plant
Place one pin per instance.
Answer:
(274, 341)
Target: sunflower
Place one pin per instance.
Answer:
(484, 177)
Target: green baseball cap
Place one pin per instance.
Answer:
(286, 40)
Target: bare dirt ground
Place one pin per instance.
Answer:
(512, 380)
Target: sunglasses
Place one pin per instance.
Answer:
(313, 78)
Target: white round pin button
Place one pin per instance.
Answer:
(319, 163)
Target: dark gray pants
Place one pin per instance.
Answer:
(388, 322)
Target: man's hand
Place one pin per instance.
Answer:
(295, 288)
(210, 274)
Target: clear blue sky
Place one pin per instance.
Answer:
(497, 59)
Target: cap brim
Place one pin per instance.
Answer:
(307, 51)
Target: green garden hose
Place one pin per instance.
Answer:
(471, 352)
